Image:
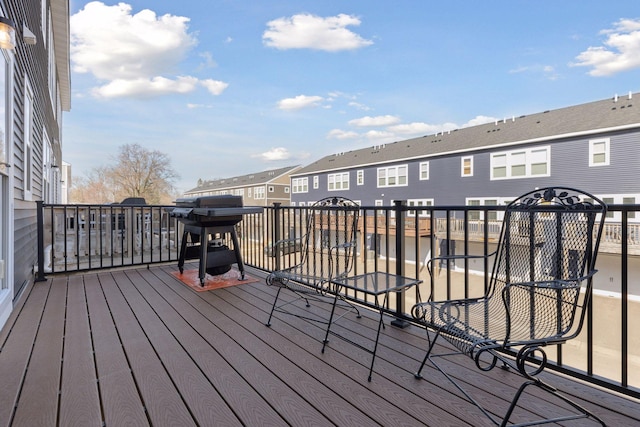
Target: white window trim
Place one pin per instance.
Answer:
(27, 142)
(300, 185)
(338, 181)
(423, 166)
(419, 202)
(462, 160)
(360, 177)
(607, 148)
(395, 174)
(528, 152)
(316, 182)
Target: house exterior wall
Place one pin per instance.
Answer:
(568, 166)
(37, 93)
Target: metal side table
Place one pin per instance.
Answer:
(374, 284)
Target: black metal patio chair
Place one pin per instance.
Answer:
(538, 291)
(325, 252)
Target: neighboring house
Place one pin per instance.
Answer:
(257, 189)
(593, 146)
(34, 91)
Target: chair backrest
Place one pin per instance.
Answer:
(548, 243)
(329, 242)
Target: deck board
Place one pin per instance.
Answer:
(137, 347)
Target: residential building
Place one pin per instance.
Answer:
(34, 92)
(593, 146)
(257, 189)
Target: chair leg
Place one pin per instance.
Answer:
(418, 375)
(582, 412)
(273, 307)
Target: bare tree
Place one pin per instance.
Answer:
(137, 172)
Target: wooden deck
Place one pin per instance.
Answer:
(138, 347)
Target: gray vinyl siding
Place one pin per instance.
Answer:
(32, 61)
(568, 166)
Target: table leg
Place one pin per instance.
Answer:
(380, 325)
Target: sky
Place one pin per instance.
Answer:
(234, 87)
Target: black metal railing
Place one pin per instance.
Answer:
(399, 239)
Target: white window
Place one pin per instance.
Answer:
(249, 192)
(476, 215)
(360, 177)
(316, 182)
(599, 152)
(524, 163)
(271, 189)
(419, 202)
(392, 176)
(338, 181)
(286, 190)
(424, 171)
(258, 193)
(466, 166)
(300, 185)
(27, 145)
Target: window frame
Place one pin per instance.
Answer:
(592, 152)
(462, 166)
(512, 163)
(393, 173)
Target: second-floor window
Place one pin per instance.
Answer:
(599, 152)
(316, 182)
(258, 193)
(424, 171)
(300, 185)
(338, 181)
(392, 176)
(360, 177)
(466, 166)
(525, 163)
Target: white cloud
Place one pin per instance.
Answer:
(621, 50)
(193, 106)
(143, 87)
(374, 121)
(215, 87)
(299, 102)
(131, 54)
(342, 134)
(306, 31)
(275, 154)
(415, 128)
(478, 120)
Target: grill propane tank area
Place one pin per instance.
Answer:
(208, 223)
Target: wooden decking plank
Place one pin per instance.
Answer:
(290, 405)
(203, 400)
(121, 402)
(16, 350)
(353, 389)
(266, 376)
(162, 401)
(488, 399)
(200, 340)
(39, 400)
(356, 364)
(79, 401)
(481, 386)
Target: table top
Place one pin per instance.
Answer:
(376, 283)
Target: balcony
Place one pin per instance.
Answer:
(138, 347)
(134, 345)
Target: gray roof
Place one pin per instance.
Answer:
(243, 180)
(594, 117)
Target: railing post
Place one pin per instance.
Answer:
(277, 233)
(40, 226)
(400, 261)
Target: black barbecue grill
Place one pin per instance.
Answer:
(207, 220)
